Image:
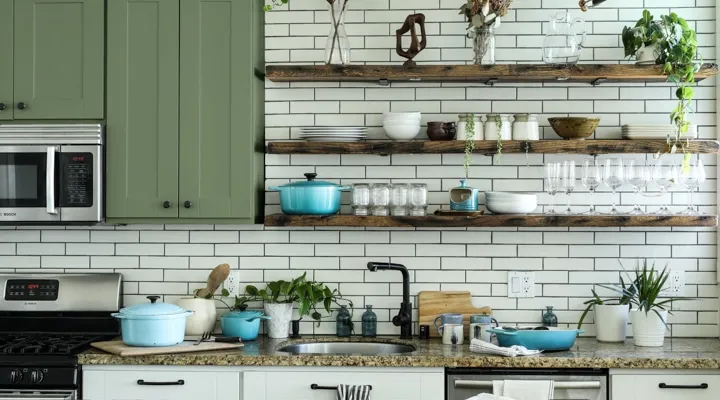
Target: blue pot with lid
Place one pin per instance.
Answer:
(242, 324)
(310, 197)
(153, 324)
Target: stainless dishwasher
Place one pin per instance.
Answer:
(570, 384)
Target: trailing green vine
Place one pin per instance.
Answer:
(469, 142)
(499, 122)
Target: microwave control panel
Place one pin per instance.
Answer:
(77, 180)
(32, 289)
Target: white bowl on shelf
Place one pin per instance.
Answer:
(511, 208)
(402, 132)
(413, 115)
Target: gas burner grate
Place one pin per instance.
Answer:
(45, 344)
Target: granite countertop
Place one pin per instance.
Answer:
(587, 353)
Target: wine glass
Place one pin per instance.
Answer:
(665, 176)
(552, 183)
(691, 176)
(613, 177)
(637, 175)
(568, 181)
(591, 179)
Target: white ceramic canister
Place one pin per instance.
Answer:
(611, 322)
(462, 133)
(492, 127)
(204, 317)
(525, 127)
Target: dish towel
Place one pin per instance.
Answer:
(487, 396)
(524, 390)
(480, 346)
(353, 392)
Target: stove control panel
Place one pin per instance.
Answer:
(32, 289)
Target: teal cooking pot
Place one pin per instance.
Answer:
(242, 324)
(550, 339)
(310, 197)
(153, 324)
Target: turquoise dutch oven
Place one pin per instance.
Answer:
(310, 197)
(153, 324)
(242, 324)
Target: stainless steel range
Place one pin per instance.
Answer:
(45, 321)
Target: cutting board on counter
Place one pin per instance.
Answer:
(432, 303)
(121, 349)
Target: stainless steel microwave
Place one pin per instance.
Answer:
(51, 174)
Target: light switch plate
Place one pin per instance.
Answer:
(521, 284)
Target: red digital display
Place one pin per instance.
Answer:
(32, 286)
(78, 158)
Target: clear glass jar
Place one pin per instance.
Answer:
(399, 199)
(369, 322)
(380, 199)
(418, 199)
(361, 199)
(483, 44)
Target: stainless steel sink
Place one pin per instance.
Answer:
(360, 348)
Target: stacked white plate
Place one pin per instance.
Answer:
(333, 133)
(402, 125)
(510, 203)
(655, 131)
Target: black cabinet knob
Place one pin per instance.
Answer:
(166, 204)
(2, 106)
(187, 204)
(21, 105)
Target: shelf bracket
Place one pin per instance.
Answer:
(491, 81)
(598, 81)
(383, 82)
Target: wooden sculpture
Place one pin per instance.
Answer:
(415, 46)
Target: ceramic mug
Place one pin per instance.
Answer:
(452, 334)
(479, 325)
(446, 319)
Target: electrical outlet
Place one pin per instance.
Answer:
(676, 283)
(521, 284)
(232, 284)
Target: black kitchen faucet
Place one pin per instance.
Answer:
(404, 317)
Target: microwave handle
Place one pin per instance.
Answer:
(50, 181)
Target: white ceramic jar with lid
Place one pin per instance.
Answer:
(525, 127)
(498, 125)
(462, 127)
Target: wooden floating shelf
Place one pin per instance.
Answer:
(488, 74)
(487, 221)
(590, 146)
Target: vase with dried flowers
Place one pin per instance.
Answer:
(483, 18)
(337, 47)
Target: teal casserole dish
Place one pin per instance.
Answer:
(549, 339)
(310, 197)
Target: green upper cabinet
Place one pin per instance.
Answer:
(217, 108)
(58, 59)
(6, 59)
(142, 120)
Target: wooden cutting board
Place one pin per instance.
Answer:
(432, 303)
(121, 349)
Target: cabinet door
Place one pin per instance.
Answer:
(665, 387)
(59, 59)
(168, 383)
(142, 121)
(6, 59)
(217, 108)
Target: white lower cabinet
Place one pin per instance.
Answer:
(161, 383)
(387, 383)
(665, 385)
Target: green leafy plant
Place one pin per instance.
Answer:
(499, 122)
(240, 303)
(469, 142)
(677, 52)
(624, 299)
(275, 3)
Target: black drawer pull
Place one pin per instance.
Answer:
(179, 382)
(315, 386)
(700, 386)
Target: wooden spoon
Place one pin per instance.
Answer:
(216, 278)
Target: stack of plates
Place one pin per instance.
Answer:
(510, 203)
(333, 133)
(656, 131)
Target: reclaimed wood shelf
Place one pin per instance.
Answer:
(489, 147)
(594, 74)
(487, 221)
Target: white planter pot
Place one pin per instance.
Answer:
(648, 329)
(647, 55)
(204, 317)
(279, 323)
(611, 322)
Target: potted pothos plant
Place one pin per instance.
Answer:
(611, 314)
(676, 51)
(280, 296)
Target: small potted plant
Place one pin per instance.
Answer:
(642, 40)
(611, 315)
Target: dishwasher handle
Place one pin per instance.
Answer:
(464, 384)
(36, 396)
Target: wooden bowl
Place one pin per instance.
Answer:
(574, 128)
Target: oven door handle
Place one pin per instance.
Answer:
(558, 385)
(50, 183)
(35, 396)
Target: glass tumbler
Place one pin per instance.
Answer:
(418, 199)
(361, 199)
(399, 199)
(379, 199)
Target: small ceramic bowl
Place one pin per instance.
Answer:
(574, 128)
(441, 131)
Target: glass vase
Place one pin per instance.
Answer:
(337, 47)
(369, 322)
(343, 322)
(483, 45)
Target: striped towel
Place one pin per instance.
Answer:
(353, 392)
